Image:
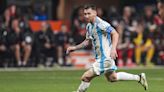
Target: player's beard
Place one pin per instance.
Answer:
(87, 20)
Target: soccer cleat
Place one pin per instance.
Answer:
(143, 81)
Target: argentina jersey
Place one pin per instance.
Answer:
(99, 33)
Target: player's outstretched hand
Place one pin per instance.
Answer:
(113, 54)
(70, 49)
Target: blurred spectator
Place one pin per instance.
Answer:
(159, 44)
(4, 50)
(30, 12)
(114, 16)
(144, 44)
(28, 36)
(101, 13)
(5, 25)
(45, 46)
(78, 26)
(14, 11)
(40, 13)
(9, 14)
(149, 18)
(7, 19)
(149, 35)
(126, 45)
(160, 6)
(62, 42)
(20, 42)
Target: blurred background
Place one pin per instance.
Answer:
(36, 33)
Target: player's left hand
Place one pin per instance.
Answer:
(70, 49)
(113, 53)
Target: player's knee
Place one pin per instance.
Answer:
(112, 79)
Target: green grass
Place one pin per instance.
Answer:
(68, 81)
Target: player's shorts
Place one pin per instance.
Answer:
(108, 65)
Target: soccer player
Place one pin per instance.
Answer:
(160, 6)
(104, 39)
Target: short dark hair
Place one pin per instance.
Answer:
(92, 6)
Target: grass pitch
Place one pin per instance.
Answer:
(68, 81)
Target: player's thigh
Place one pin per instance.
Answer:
(88, 75)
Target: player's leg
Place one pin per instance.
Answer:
(120, 76)
(113, 76)
(85, 80)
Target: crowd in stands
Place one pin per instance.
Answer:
(141, 37)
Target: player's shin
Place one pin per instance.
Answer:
(83, 86)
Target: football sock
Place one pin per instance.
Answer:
(83, 86)
(127, 76)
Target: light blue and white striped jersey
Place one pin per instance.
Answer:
(100, 34)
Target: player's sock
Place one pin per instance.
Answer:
(127, 76)
(83, 86)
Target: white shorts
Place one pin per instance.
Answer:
(108, 65)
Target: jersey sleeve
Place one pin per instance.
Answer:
(104, 26)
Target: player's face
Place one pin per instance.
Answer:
(161, 10)
(89, 14)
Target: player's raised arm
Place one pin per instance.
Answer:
(115, 37)
(81, 45)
